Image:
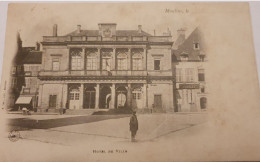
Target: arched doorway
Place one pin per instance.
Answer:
(121, 93)
(203, 102)
(74, 98)
(105, 97)
(89, 97)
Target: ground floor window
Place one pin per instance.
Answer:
(203, 103)
(52, 101)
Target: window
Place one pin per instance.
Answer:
(106, 63)
(179, 76)
(14, 82)
(13, 70)
(157, 64)
(121, 61)
(27, 81)
(91, 62)
(137, 62)
(52, 101)
(184, 57)
(74, 94)
(202, 58)
(189, 74)
(137, 93)
(26, 90)
(55, 65)
(26, 68)
(196, 46)
(202, 89)
(201, 75)
(76, 59)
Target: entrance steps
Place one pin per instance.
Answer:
(79, 112)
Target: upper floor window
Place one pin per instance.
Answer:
(106, 59)
(91, 62)
(157, 64)
(189, 74)
(55, 64)
(76, 59)
(196, 46)
(14, 82)
(201, 75)
(122, 61)
(14, 70)
(137, 62)
(179, 75)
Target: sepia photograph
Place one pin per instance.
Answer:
(150, 81)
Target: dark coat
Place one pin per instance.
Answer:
(133, 123)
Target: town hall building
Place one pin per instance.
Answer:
(106, 69)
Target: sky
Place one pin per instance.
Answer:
(36, 20)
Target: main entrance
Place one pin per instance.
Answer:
(121, 93)
(105, 97)
(74, 98)
(89, 97)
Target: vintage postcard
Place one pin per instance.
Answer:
(150, 81)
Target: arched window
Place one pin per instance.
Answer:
(137, 61)
(75, 59)
(122, 61)
(106, 59)
(91, 61)
(203, 102)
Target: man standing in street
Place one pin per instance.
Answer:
(133, 126)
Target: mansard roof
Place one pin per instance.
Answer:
(118, 33)
(187, 47)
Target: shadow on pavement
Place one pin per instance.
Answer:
(21, 124)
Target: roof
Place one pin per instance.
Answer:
(33, 57)
(118, 33)
(187, 47)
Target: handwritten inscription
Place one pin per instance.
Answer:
(109, 151)
(176, 11)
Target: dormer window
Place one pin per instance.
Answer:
(196, 46)
(184, 56)
(202, 58)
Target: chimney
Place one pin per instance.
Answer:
(37, 47)
(55, 29)
(78, 28)
(181, 32)
(139, 28)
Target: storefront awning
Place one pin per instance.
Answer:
(23, 100)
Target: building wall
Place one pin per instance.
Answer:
(163, 89)
(55, 52)
(51, 89)
(188, 99)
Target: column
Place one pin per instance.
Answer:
(69, 62)
(113, 96)
(113, 59)
(129, 96)
(81, 93)
(65, 95)
(40, 95)
(83, 59)
(144, 59)
(129, 59)
(145, 101)
(98, 59)
(97, 96)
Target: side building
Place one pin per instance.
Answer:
(188, 63)
(106, 69)
(31, 65)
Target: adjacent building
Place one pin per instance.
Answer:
(106, 68)
(188, 64)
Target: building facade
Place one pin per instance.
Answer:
(106, 69)
(189, 60)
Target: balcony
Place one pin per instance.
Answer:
(93, 73)
(103, 39)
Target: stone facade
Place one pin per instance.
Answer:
(106, 69)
